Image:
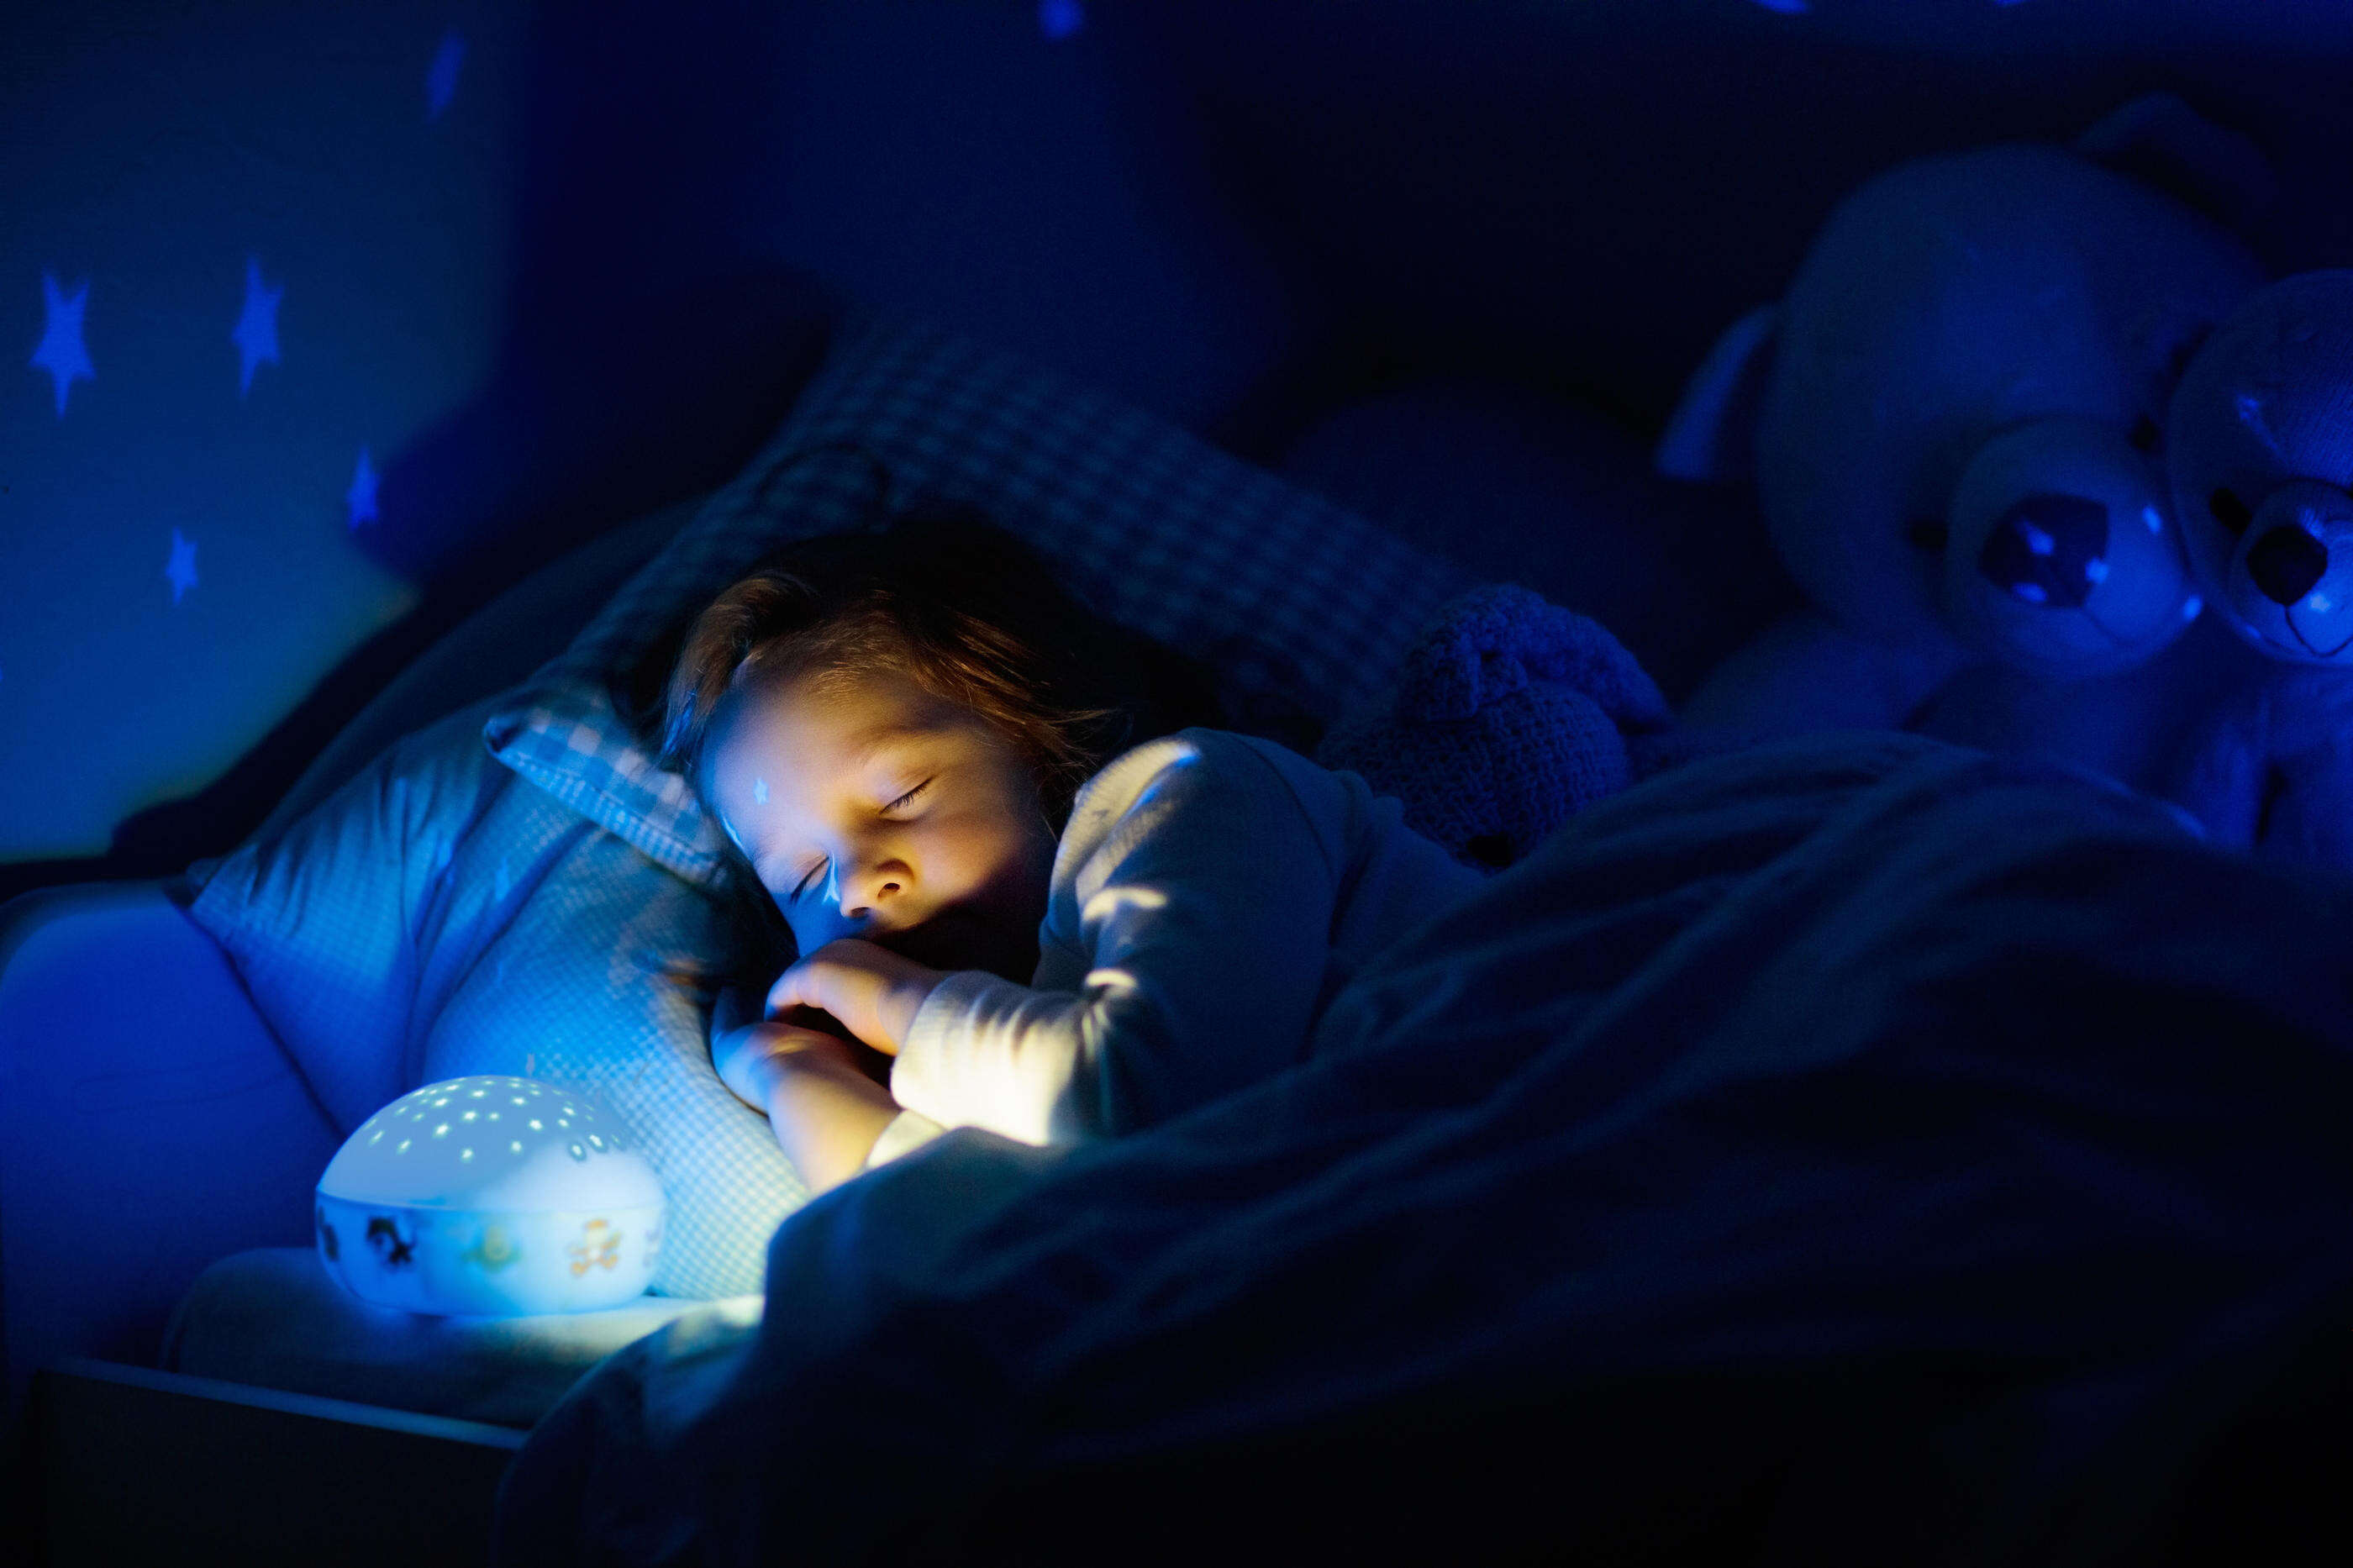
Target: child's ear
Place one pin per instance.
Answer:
(2163, 142)
(1712, 432)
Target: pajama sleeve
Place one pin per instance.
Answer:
(1182, 956)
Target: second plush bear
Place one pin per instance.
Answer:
(1953, 420)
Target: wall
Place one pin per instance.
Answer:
(582, 275)
(546, 267)
(153, 161)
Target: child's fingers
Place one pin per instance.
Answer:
(780, 994)
(802, 985)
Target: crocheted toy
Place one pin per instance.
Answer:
(2260, 453)
(1510, 715)
(1952, 419)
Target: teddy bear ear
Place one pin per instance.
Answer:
(1465, 657)
(1712, 435)
(2163, 142)
(1560, 645)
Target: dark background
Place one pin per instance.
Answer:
(1447, 261)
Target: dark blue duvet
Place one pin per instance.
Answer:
(1850, 1150)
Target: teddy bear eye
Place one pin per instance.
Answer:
(2146, 434)
(1927, 532)
(2229, 510)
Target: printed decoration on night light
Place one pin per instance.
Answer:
(256, 334)
(599, 1246)
(494, 1251)
(359, 500)
(181, 572)
(1057, 19)
(442, 76)
(384, 1239)
(329, 1243)
(61, 352)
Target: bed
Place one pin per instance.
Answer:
(1848, 1149)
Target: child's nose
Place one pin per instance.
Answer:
(867, 895)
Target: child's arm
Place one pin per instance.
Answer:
(1186, 946)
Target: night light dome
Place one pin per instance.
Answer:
(491, 1195)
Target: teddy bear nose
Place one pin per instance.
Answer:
(2049, 550)
(2285, 562)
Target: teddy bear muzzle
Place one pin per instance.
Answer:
(2291, 573)
(2061, 557)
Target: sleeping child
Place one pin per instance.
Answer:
(913, 738)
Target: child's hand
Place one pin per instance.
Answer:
(751, 1057)
(870, 991)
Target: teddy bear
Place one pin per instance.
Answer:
(2259, 452)
(1953, 420)
(1510, 715)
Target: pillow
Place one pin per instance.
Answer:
(436, 917)
(1156, 528)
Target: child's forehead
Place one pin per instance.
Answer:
(772, 762)
(833, 692)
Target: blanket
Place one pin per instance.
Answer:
(1846, 1149)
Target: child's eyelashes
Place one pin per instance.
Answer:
(810, 877)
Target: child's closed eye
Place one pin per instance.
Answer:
(905, 799)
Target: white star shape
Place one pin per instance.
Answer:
(360, 499)
(61, 352)
(182, 571)
(256, 335)
(442, 76)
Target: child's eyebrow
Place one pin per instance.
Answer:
(871, 743)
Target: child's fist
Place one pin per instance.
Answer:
(870, 991)
(751, 1057)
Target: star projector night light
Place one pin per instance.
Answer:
(491, 1195)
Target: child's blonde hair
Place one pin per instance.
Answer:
(955, 604)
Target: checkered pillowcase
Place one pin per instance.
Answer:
(1211, 556)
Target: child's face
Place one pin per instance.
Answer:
(872, 808)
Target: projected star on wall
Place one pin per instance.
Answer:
(1787, 7)
(256, 336)
(442, 76)
(1057, 19)
(182, 571)
(61, 352)
(360, 499)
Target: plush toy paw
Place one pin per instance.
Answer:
(1511, 714)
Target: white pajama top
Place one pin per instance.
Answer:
(1210, 894)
